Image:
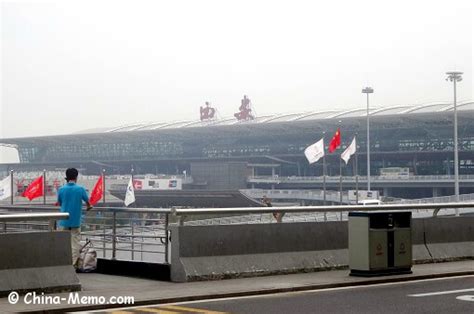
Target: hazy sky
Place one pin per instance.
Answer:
(68, 66)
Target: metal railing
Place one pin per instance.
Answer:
(432, 209)
(143, 233)
(334, 196)
(116, 233)
(21, 222)
(437, 199)
(129, 233)
(412, 178)
(310, 195)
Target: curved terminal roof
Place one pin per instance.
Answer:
(295, 116)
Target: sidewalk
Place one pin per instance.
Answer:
(154, 292)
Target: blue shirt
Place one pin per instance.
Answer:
(70, 197)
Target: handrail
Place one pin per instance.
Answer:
(33, 216)
(290, 179)
(133, 210)
(115, 223)
(306, 209)
(262, 210)
(111, 209)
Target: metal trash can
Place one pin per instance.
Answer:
(380, 243)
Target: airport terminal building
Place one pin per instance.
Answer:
(229, 154)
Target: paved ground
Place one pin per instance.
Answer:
(447, 295)
(158, 292)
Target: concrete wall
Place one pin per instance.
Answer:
(36, 261)
(230, 251)
(443, 230)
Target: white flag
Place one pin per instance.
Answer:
(314, 152)
(5, 188)
(350, 150)
(130, 194)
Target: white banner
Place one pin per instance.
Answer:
(315, 151)
(350, 150)
(5, 188)
(158, 184)
(130, 194)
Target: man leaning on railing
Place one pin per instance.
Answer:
(70, 198)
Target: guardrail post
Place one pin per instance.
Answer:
(133, 240)
(45, 187)
(12, 190)
(114, 233)
(103, 186)
(166, 239)
(52, 225)
(4, 227)
(141, 249)
(103, 238)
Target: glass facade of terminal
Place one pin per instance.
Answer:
(422, 142)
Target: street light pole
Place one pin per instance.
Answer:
(455, 77)
(368, 90)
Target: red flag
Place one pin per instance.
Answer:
(35, 189)
(97, 192)
(335, 141)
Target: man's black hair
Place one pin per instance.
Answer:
(71, 174)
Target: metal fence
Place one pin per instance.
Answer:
(139, 234)
(128, 233)
(309, 213)
(311, 179)
(307, 195)
(438, 199)
(142, 234)
(334, 196)
(14, 223)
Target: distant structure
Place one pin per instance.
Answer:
(207, 112)
(416, 139)
(245, 110)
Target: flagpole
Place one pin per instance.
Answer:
(44, 186)
(103, 186)
(340, 166)
(324, 180)
(340, 181)
(11, 187)
(133, 185)
(356, 173)
(324, 174)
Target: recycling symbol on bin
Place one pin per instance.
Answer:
(379, 249)
(402, 248)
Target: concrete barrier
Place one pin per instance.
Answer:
(38, 261)
(443, 239)
(232, 251)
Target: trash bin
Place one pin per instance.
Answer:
(380, 243)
